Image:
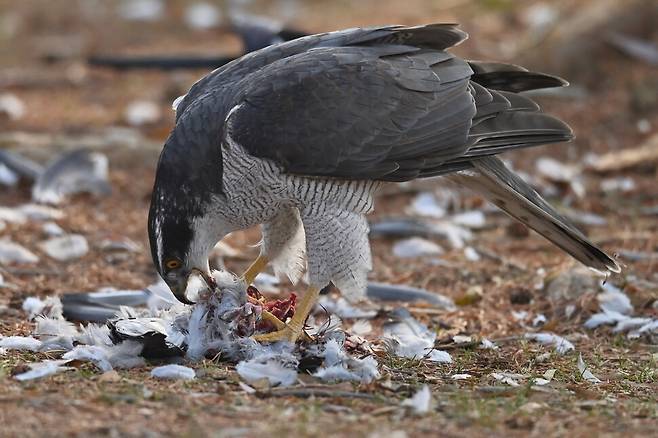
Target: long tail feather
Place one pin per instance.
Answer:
(490, 178)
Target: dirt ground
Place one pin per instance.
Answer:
(614, 106)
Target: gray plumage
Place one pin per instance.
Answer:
(298, 136)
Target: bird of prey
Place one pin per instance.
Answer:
(298, 137)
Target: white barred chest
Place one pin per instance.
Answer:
(257, 189)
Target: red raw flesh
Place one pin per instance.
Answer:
(282, 309)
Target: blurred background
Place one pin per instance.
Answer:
(80, 133)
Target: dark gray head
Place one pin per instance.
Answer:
(182, 230)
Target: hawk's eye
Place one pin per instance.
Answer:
(172, 264)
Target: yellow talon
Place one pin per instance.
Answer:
(288, 333)
(267, 316)
(254, 269)
(295, 328)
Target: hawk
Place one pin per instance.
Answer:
(297, 137)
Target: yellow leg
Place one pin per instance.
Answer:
(256, 268)
(295, 328)
(267, 316)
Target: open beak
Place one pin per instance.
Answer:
(180, 286)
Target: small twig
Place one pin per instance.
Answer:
(33, 271)
(312, 392)
(472, 344)
(499, 389)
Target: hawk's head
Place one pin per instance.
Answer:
(182, 229)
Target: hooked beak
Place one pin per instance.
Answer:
(179, 287)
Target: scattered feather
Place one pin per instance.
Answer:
(425, 204)
(79, 171)
(50, 307)
(46, 326)
(344, 309)
(142, 112)
(416, 247)
(421, 402)
(141, 10)
(561, 345)
(276, 369)
(11, 252)
(486, 344)
(630, 324)
(90, 353)
(650, 327)
(340, 366)
(11, 107)
(471, 254)
(21, 343)
(614, 300)
(461, 376)
(52, 229)
(8, 177)
(64, 248)
(585, 373)
(42, 369)
(546, 378)
(456, 235)
(36, 212)
(124, 355)
(406, 337)
(202, 16)
(470, 219)
(510, 379)
(173, 372)
(608, 317)
(396, 292)
(12, 215)
(540, 319)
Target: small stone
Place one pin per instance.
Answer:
(643, 126)
(571, 284)
(531, 407)
(520, 296)
(109, 377)
(473, 295)
(517, 230)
